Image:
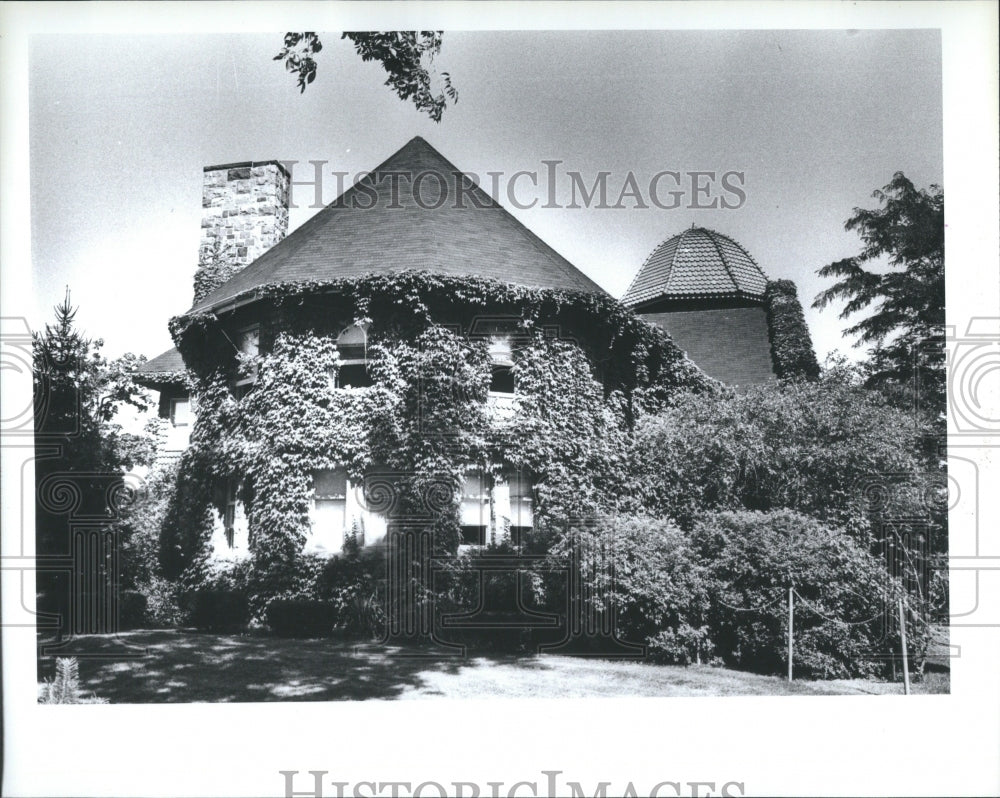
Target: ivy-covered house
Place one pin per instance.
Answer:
(413, 355)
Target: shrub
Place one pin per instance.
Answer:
(681, 646)
(352, 585)
(219, 610)
(645, 571)
(301, 617)
(751, 558)
(364, 617)
(131, 609)
(162, 603)
(822, 448)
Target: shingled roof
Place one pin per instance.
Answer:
(166, 368)
(371, 228)
(697, 264)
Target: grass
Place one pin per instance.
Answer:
(182, 666)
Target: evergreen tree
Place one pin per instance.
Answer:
(81, 452)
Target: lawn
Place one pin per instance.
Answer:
(183, 666)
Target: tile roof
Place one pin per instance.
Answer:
(697, 263)
(473, 236)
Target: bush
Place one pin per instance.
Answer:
(162, 603)
(751, 558)
(352, 584)
(681, 646)
(131, 610)
(823, 448)
(301, 617)
(219, 610)
(643, 570)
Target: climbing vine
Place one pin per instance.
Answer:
(425, 416)
(791, 346)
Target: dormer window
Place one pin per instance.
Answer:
(352, 345)
(502, 366)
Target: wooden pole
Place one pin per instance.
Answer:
(902, 637)
(791, 631)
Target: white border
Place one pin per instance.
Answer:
(936, 745)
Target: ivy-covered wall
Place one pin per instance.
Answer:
(583, 367)
(791, 345)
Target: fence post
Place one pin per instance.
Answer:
(791, 632)
(902, 637)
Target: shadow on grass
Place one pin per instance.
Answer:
(185, 666)
(182, 666)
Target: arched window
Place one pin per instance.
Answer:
(352, 344)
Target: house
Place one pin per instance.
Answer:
(319, 359)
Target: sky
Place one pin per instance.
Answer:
(120, 127)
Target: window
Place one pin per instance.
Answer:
(180, 412)
(229, 517)
(352, 345)
(475, 509)
(502, 376)
(248, 346)
(521, 501)
(330, 494)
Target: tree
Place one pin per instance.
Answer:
(827, 448)
(401, 53)
(906, 329)
(81, 450)
(843, 595)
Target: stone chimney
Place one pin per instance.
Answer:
(245, 213)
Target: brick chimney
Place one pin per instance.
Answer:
(245, 213)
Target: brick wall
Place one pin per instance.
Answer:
(730, 344)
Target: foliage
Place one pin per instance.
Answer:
(826, 448)
(630, 354)
(564, 432)
(83, 450)
(644, 569)
(906, 327)
(301, 617)
(425, 417)
(219, 610)
(162, 603)
(215, 266)
(131, 609)
(752, 558)
(64, 688)
(401, 53)
(791, 345)
(78, 393)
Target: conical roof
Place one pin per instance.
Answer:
(697, 264)
(390, 223)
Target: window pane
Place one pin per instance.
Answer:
(180, 412)
(502, 380)
(353, 376)
(248, 342)
(330, 484)
(351, 343)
